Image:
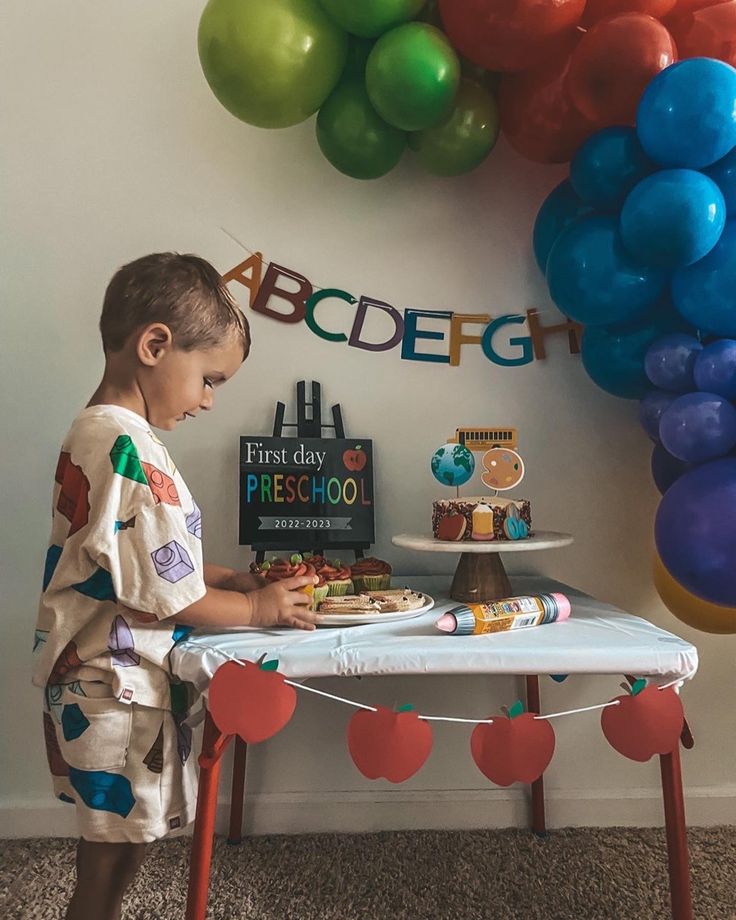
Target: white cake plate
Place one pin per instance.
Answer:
(480, 576)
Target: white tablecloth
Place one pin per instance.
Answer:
(596, 639)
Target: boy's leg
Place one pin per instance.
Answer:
(104, 871)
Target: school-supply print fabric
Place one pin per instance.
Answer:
(125, 553)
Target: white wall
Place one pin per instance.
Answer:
(114, 147)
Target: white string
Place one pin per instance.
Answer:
(539, 312)
(342, 699)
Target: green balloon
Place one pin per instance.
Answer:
(271, 63)
(354, 138)
(412, 76)
(358, 51)
(371, 18)
(463, 141)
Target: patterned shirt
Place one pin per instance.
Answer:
(125, 531)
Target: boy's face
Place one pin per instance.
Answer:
(178, 384)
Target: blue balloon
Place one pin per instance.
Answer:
(608, 166)
(670, 360)
(667, 469)
(613, 356)
(594, 280)
(673, 218)
(687, 113)
(559, 209)
(651, 408)
(704, 292)
(723, 173)
(699, 427)
(695, 531)
(715, 368)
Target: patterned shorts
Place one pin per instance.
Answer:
(128, 769)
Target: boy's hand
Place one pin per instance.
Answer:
(282, 604)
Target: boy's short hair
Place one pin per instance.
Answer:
(183, 291)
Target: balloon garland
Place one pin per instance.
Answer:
(442, 76)
(639, 245)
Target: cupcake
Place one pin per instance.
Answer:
(371, 574)
(337, 577)
(320, 592)
(278, 569)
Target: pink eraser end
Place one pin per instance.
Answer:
(564, 605)
(446, 623)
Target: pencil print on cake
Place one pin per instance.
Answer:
(484, 517)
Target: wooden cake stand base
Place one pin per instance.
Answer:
(480, 576)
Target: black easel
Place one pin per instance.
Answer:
(308, 426)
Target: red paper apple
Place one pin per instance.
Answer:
(388, 744)
(252, 701)
(354, 459)
(517, 748)
(646, 722)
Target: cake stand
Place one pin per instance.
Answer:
(480, 576)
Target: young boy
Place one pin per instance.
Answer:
(124, 578)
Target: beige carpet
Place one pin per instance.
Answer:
(574, 874)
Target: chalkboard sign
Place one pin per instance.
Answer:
(306, 493)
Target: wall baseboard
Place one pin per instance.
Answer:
(389, 809)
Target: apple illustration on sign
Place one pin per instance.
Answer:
(250, 700)
(387, 744)
(646, 722)
(355, 459)
(513, 748)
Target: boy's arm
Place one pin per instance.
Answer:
(217, 576)
(278, 604)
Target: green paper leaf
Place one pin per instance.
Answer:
(638, 686)
(407, 707)
(271, 665)
(516, 709)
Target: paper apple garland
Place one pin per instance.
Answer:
(251, 700)
(387, 744)
(516, 748)
(646, 722)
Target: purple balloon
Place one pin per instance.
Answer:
(699, 427)
(669, 362)
(667, 469)
(715, 368)
(651, 408)
(695, 531)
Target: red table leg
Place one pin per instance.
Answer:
(238, 793)
(533, 704)
(214, 744)
(674, 818)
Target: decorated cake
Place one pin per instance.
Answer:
(484, 518)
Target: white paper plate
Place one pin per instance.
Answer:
(363, 619)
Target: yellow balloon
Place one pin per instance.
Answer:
(700, 614)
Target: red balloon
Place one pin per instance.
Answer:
(510, 35)
(537, 116)
(613, 63)
(689, 6)
(708, 32)
(595, 10)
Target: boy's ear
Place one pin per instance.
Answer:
(153, 342)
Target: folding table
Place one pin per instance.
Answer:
(597, 639)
